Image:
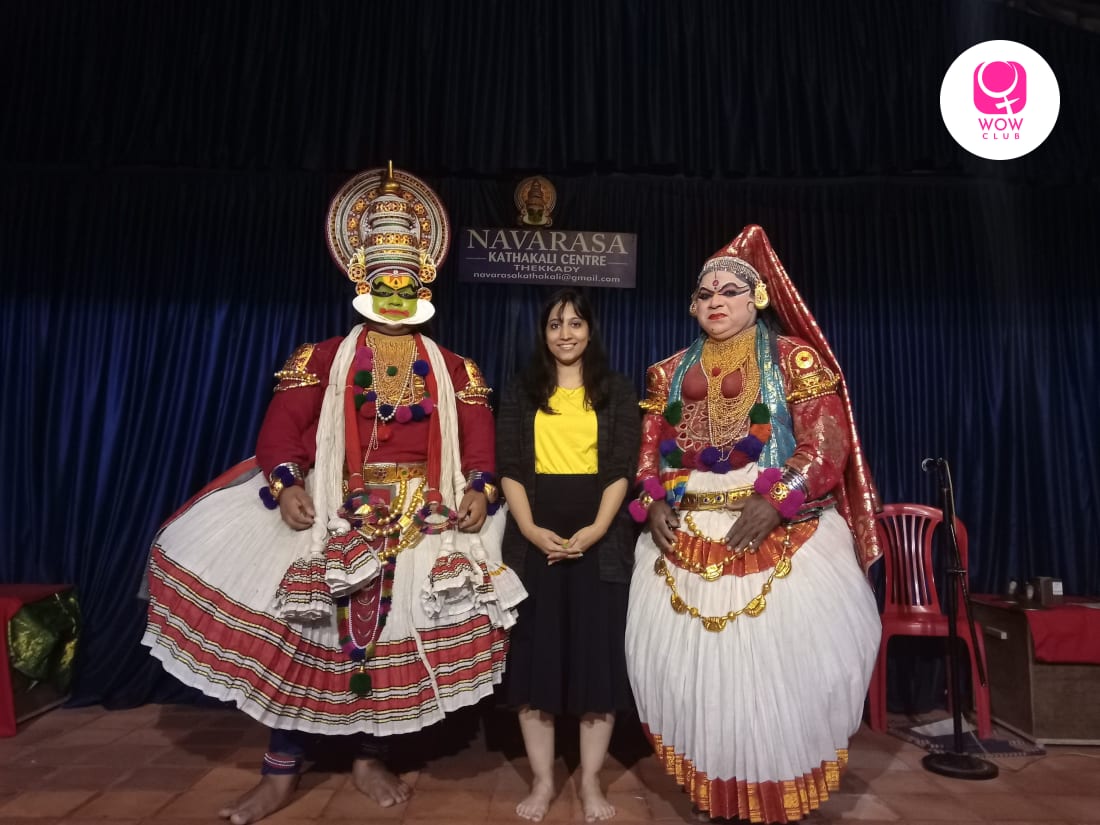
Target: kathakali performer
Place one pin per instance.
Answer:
(752, 631)
(353, 583)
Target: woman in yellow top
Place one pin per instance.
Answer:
(567, 440)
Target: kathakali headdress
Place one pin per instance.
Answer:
(389, 232)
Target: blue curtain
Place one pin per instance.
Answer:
(167, 170)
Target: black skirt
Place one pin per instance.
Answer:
(567, 651)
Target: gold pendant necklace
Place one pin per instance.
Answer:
(727, 418)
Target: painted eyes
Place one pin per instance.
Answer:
(726, 292)
(403, 294)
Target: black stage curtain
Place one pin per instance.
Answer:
(484, 87)
(166, 171)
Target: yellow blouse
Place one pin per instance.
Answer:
(565, 444)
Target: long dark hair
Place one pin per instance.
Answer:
(540, 378)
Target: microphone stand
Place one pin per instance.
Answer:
(957, 764)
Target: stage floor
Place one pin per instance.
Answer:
(179, 764)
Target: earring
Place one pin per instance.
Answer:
(692, 309)
(760, 296)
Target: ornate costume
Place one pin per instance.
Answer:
(750, 664)
(382, 617)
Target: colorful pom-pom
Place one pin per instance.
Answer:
(637, 511)
(269, 500)
(760, 414)
(654, 487)
(360, 683)
(721, 466)
(360, 400)
(417, 412)
(751, 446)
(385, 410)
(371, 396)
(364, 358)
(674, 412)
(427, 405)
(403, 415)
(363, 378)
(667, 446)
(391, 371)
(420, 367)
(708, 456)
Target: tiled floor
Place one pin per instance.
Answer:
(175, 764)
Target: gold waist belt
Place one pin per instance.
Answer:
(390, 473)
(717, 500)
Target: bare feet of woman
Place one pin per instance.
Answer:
(595, 804)
(535, 805)
(379, 782)
(272, 793)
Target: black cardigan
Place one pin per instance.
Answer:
(618, 435)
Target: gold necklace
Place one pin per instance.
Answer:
(399, 352)
(756, 605)
(726, 417)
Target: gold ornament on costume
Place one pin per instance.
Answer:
(755, 606)
(398, 351)
(535, 199)
(294, 373)
(760, 296)
(727, 418)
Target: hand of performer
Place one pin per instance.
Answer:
(663, 522)
(583, 539)
(758, 519)
(547, 542)
(296, 508)
(471, 511)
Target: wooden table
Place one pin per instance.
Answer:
(1048, 702)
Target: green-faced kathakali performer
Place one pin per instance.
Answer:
(352, 582)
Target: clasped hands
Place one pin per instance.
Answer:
(296, 508)
(758, 518)
(556, 549)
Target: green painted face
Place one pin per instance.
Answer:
(393, 302)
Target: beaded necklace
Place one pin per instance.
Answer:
(367, 609)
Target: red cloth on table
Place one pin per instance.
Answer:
(12, 599)
(1068, 633)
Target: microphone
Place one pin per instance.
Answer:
(929, 463)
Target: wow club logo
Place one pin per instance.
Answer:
(984, 96)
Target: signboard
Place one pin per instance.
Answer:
(543, 256)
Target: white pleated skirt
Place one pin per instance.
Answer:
(754, 720)
(212, 622)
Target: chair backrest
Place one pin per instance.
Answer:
(905, 532)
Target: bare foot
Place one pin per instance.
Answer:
(379, 783)
(535, 805)
(595, 804)
(272, 793)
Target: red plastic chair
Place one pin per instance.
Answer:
(912, 604)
